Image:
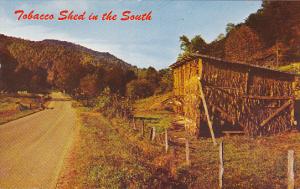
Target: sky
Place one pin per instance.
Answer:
(141, 43)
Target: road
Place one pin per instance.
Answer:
(32, 148)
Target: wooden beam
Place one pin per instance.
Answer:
(267, 97)
(224, 114)
(207, 113)
(284, 106)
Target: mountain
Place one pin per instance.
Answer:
(41, 65)
(99, 57)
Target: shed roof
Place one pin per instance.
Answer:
(222, 61)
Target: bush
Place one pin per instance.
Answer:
(114, 105)
(140, 88)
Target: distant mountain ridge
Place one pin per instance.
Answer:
(41, 65)
(98, 55)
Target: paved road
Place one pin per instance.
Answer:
(32, 149)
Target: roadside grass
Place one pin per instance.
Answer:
(109, 154)
(9, 107)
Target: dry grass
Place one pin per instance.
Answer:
(109, 154)
(249, 162)
(9, 110)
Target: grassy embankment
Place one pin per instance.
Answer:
(9, 108)
(109, 154)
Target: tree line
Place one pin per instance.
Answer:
(55, 65)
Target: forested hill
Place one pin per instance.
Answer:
(104, 58)
(30, 65)
(270, 37)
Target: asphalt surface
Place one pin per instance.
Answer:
(32, 148)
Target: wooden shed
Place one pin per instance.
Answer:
(238, 96)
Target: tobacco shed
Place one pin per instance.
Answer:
(237, 96)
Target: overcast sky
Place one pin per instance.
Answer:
(153, 43)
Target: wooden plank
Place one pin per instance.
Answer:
(284, 106)
(207, 113)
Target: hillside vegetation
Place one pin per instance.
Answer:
(50, 64)
(270, 37)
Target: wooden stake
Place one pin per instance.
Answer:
(134, 125)
(143, 125)
(290, 173)
(221, 169)
(166, 140)
(187, 152)
(207, 113)
(153, 134)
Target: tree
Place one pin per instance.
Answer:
(152, 76)
(139, 88)
(166, 81)
(241, 44)
(220, 37)
(196, 44)
(89, 85)
(229, 27)
(39, 81)
(67, 75)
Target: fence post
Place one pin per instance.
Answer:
(134, 126)
(291, 182)
(143, 125)
(153, 134)
(221, 169)
(187, 152)
(166, 140)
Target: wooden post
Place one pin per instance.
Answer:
(187, 152)
(221, 169)
(143, 125)
(134, 125)
(207, 113)
(166, 140)
(153, 134)
(290, 173)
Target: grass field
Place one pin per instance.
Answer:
(9, 108)
(110, 154)
(249, 162)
